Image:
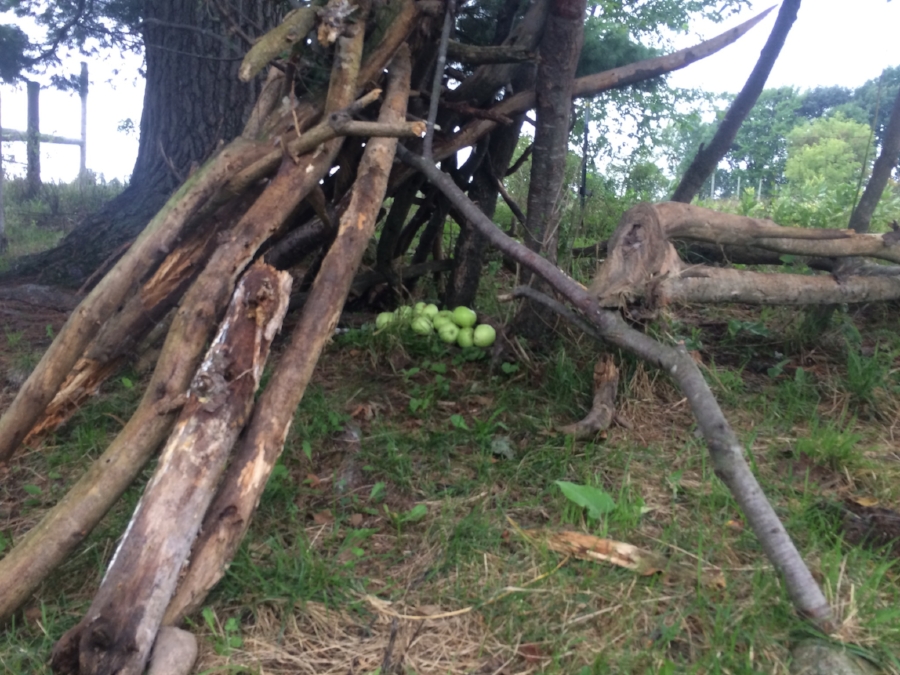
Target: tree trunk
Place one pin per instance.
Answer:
(193, 100)
(881, 172)
(560, 48)
(468, 257)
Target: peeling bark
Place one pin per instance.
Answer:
(229, 516)
(123, 331)
(149, 249)
(117, 632)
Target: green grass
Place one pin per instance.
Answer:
(38, 223)
(453, 458)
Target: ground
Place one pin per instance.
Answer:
(392, 534)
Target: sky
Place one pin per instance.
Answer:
(833, 42)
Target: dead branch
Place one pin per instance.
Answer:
(428, 143)
(591, 85)
(117, 632)
(229, 516)
(563, 311)
(708, 156)
(290, 32)
(476, 55)
(683, 221)
(706, 285)
(123, 331)
(66, 525)
(725, 449)
(83, 324)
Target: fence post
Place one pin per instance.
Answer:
(4, 242)
(83, 92)
(33, 142)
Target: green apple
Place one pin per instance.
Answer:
(384, 319)
(465, 337)
(419, 308)
(421, 325)
(440, 321)
(484, 335)
(430, 311)
(464, 317)
(448, 333)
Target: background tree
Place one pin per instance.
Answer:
(192, 102)
(833, 149)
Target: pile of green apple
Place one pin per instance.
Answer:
(457, 326)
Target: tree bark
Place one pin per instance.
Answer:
(881, 172)
(708, 157)
(468, 255)
(117, 632)
(128, 326)
(560, 48)
(63, 528)
(83, 324)
(193, 101)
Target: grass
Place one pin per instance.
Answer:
(411, 470)
(414, 517)
(38, 223)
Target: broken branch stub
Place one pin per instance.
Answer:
(603, 408)
(117, 632)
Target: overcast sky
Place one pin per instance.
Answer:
(833, 42)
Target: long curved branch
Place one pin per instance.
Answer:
(725, 449)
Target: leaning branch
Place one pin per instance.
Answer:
(725, 449)
(83, 324)
(708, 157)
(881, 172)
(591, 85)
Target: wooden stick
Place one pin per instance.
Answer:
(117, 632)
(229, 516)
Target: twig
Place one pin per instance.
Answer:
(438, 77)
(554, 305)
